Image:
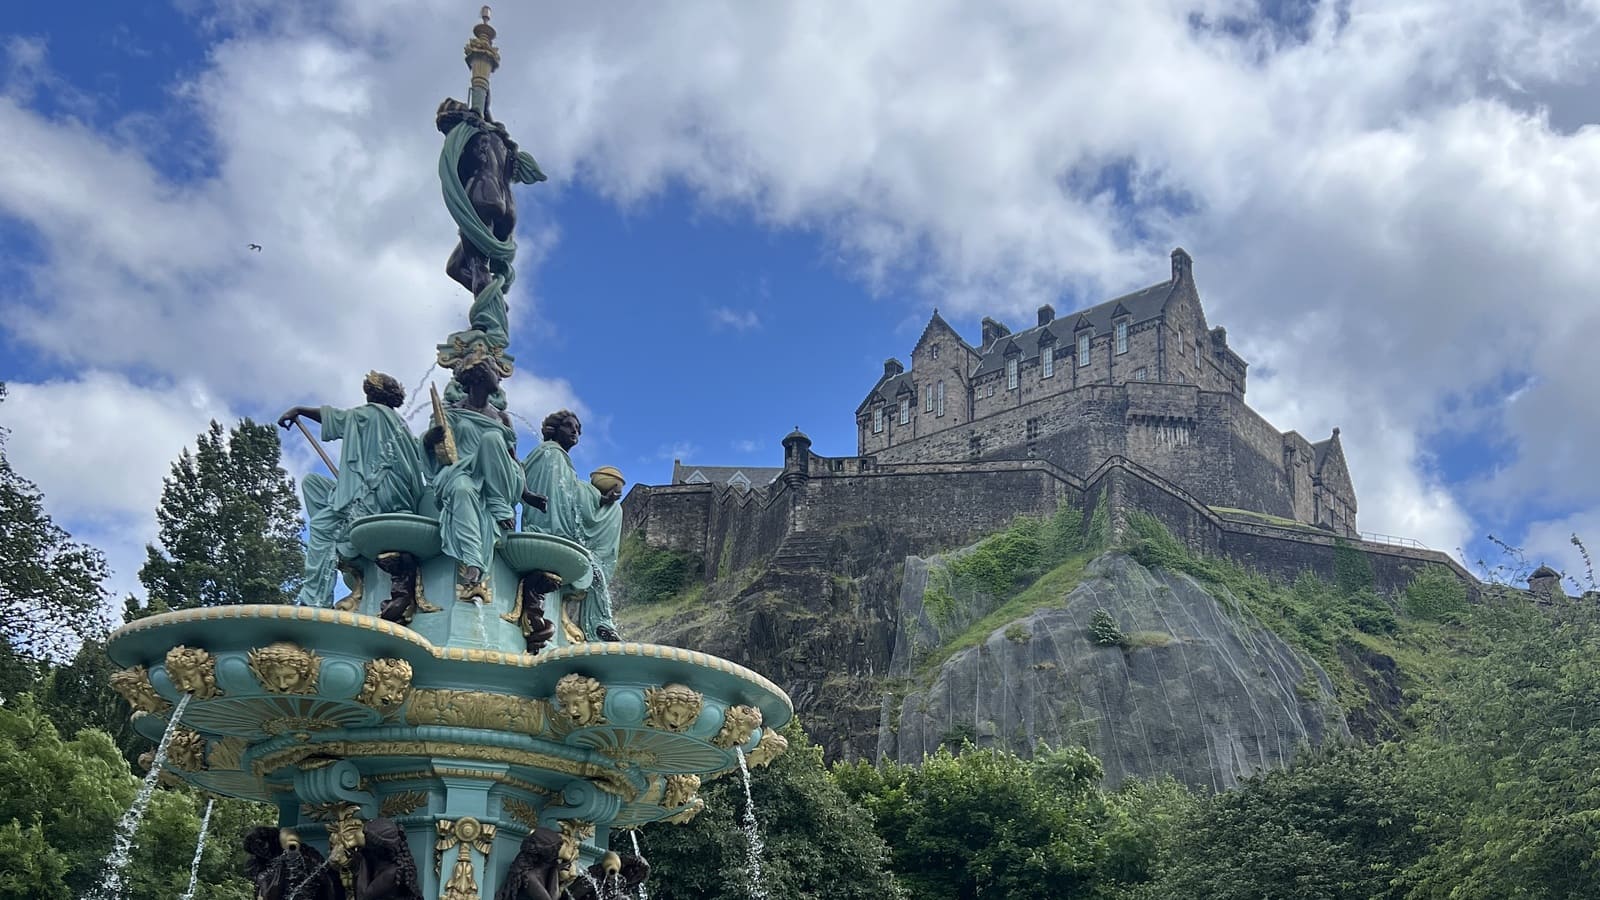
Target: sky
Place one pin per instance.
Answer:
(1391, 207)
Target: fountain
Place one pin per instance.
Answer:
(199, 853)
(434, 734)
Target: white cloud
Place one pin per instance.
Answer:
(98, 447)
(1386, 236)
(737, 319)
(746, 446)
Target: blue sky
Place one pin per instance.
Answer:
(1389, 206)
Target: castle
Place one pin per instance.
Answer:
(1141, 376)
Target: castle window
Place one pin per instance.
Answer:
(905, 410)
(934, 350)
(1011, 374)
(991, 389)
(1033, 429)
(927, 397)
(1141, 373)
(1122, 337)
(938, 399)
(877, 420)
(974, 446)
(1047, 360)
(1083, 349)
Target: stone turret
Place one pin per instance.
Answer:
(1544, 582)
(796, 458)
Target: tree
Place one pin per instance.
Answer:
(230, 524)
(818, 843)
(61, 805)
(1339, 824)
(987, 823)
(51, 598)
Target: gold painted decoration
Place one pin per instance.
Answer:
(521, 812)
(478, 709)
(605, 777)
(672, 708)
(582, 700)
(573, 833)
(187, 750)
(402, 803)
(467, 834)
(771, 747)
(693, 809)
(680, 790)
(285, 668)
(346, 836)
(193, 671)
(387, 684)
(737, 725)
(227, 754)
(134, 686)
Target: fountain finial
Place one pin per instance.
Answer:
(483, 57)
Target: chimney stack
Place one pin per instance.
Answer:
(892, 367)
(1181, 264)
(992, 331)
(1047, 314)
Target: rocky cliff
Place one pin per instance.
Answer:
(891, 654)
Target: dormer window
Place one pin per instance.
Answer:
(877, 420)
(1047, 361)
(1011, 374)
(1083, 349)
(1122, 336)
(905, 410)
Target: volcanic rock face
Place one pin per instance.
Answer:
(1197, 688)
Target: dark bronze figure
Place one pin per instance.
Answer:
(384, 868)
(487, 168)
(281, 867)
(405, 588)
(535, 872)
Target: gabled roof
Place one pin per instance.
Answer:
(755, 476)
(1140, 306)
(887, 389)
(1321, 449)
(937, 319)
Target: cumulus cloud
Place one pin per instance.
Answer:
(1379, 206)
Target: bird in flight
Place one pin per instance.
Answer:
(255, 247)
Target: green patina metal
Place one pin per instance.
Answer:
(415, 700)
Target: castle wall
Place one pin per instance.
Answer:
(745, 528)
(670, 516)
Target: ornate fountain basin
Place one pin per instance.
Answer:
(316, 709)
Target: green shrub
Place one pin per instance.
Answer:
(1103, 629)
(1435, 595)
(650, 575)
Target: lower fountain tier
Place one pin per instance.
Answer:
(322, 713)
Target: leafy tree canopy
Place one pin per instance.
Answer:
(230, 524)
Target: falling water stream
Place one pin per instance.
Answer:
(199, 850)
(479, 634)
(122, 847)
(592, 883)
(305, 880)
(634, 835)
(752, 834)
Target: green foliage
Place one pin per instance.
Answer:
(1049, 590)
(1103, 629)
(987, 823)
(1352, 571)
(1340, 824)
(1506, 756)
(1016, 634)
(230, 524)
(649, 575)
(819, 843)
(50, 593)
(62, 801)
(1435, 594)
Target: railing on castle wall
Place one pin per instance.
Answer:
(1376, 538)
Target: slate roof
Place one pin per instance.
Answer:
(1139, 306)
(889, 388)
(1320, 451)
(758, 476)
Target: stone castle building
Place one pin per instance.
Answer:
(1141, 377)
